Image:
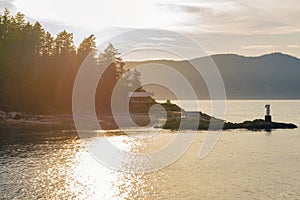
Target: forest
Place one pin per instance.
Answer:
(37, 69)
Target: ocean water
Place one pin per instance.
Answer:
(243, 164)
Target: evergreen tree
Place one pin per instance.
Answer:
(37, 71)
(87, 46)
(64, 44)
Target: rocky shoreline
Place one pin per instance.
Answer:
(206, 122)
(209, 123)
(177, 118)
(22, 122)
(259, 124)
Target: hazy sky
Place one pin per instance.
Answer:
(251, 27)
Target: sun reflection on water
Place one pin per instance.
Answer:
(87, 178)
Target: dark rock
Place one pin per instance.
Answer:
(207, 122)
(15, 115)
(3, 115)
(171, 107)
(259, 124)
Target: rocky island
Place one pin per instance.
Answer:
(175, 121)
(207, 122)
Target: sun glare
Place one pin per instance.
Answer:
(95, 14)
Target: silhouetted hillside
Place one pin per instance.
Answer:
(272, 76)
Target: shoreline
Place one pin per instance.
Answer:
(60, 122)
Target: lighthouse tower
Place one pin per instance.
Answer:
(268, 117)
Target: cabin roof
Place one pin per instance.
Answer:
(140, 94)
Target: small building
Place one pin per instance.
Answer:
(268, 117)
(140, 102)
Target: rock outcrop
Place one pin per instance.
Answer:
(10, 115)
(190, 120)
(259, 124)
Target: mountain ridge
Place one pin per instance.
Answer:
(217, 55)
(270, 76)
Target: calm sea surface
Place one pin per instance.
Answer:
(243, 164)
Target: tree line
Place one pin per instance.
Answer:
(37, 70)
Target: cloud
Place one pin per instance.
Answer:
(293, 46)
(220, 26)
(239, 17)
(271, 47)
(162, 38)
(259, 47)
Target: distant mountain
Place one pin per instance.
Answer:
(271, 76)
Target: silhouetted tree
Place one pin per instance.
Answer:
(114, 65)
(64, 44)
(87, 46)
(37, 71)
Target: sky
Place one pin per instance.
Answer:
(245, 27)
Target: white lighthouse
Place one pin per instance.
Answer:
(268, 117)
